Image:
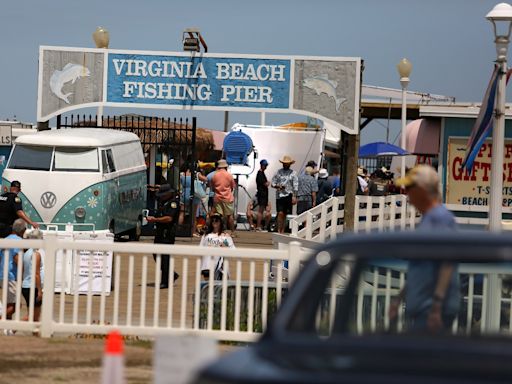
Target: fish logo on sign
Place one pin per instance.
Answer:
(322, 84)
(48, 200)
(71, 72)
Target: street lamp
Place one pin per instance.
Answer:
(501, 19)
(101, 38)
(404, 68)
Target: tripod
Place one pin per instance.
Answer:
(237, 218)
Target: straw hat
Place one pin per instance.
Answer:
(360, 171)
(287, 160)
(222, 163)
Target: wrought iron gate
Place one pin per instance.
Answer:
(169, 148)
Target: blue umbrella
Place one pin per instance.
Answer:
(381, 149)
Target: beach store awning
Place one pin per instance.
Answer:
(381, 149)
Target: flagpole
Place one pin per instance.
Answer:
(498, 136)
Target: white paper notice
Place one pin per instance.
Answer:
(178, 359)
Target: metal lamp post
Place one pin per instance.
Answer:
(501, 19)
(101, 38)
(404, 68)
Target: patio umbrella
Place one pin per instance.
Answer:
(381, 149)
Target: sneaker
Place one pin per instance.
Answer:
(9, 332)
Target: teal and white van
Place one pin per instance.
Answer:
(91, 178)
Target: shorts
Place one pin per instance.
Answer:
(303, 206)
(26, 294)
(284, 204)
(263, 201)
(225, 208)
(11, 291)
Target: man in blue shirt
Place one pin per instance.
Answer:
(18, 229)
(432, 292)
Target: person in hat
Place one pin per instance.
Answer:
(262, 192)
(362, 184)
(286, 182)
(324, 187)
(224, 200)
(215, 237)
(308, 187)
(11, 208)
(432, 292)
(166, 218)
(312, 164)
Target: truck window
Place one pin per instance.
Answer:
(107, 161)
(31, 157)
(76, 159)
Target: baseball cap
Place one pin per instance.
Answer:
(16, 184)
(263, 162)
(424, 176)
(164, 190)
(311, 163)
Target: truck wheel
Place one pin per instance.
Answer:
(137, 231)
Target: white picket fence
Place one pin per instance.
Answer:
(325, 221)
(235, 308)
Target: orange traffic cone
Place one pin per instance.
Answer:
(113, 360)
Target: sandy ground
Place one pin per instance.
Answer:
(31, 360)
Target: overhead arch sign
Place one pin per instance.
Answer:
(326, 88)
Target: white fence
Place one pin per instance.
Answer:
(379, 285)
(235, 308)
(372, 213)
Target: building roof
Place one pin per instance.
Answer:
(77, 137)
(462, 110)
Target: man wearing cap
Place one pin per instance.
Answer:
(312, 164)
(432, 293)
(223, 185)
(11, 208)
(286, 182)
(308, 187)
(262, 192)
(165, 219)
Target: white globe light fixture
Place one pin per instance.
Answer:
(101, 37)
(404, 68)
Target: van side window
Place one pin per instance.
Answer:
(108, 161)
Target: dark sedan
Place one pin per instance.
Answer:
(335, 327)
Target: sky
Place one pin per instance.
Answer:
(449, 42)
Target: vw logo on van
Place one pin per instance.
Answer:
(48, 199)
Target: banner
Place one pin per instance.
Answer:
(473, 188)
(325, 88)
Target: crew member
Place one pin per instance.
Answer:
(11, 209)
(166, 218)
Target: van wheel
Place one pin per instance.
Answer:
(137, 231)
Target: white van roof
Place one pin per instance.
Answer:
(78, 137)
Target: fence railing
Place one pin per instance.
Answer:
(372, 213)
(237, 307)
(378, 285)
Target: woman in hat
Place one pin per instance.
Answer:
(286, 182)
(215, 237)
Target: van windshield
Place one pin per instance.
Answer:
(31, 157)
(76, 159)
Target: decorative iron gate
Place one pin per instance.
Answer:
(169, 147)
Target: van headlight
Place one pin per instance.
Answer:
(80, 212)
